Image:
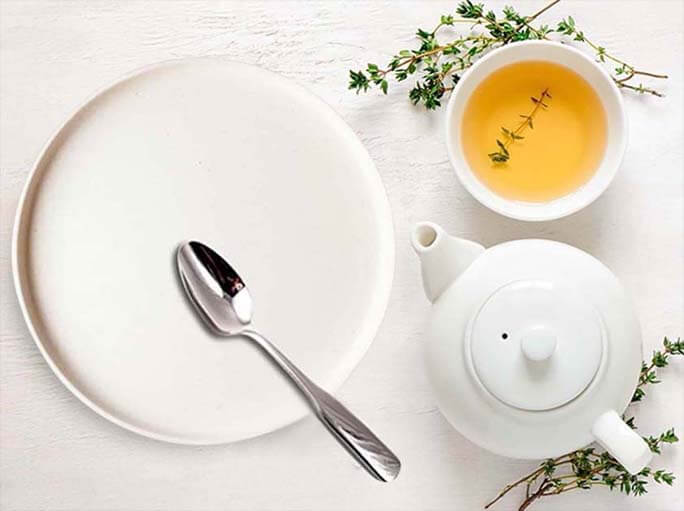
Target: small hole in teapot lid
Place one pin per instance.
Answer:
(504, 336)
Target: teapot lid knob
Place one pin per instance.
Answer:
(538, 344)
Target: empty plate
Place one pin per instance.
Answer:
(245, 161)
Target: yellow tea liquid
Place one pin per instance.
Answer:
(558, 155)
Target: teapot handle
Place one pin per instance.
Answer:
(622, 442)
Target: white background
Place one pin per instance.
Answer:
(57, 454)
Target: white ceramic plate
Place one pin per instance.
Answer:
(245, 161)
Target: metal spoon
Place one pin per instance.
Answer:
(221, 296)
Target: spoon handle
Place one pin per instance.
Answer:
(354, 435)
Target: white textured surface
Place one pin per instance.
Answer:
(57, 454)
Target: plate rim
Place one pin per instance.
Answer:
(21, 287)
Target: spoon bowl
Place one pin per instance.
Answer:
(217, 291)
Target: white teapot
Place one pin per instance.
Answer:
(534, 350)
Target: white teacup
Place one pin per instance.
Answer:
(583, 65)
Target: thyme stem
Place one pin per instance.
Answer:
(541, 11)
(510, 486)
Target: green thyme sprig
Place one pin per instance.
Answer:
(623, 73)
(659, 359)
(439, 65)
(584, 469)
(502, 155)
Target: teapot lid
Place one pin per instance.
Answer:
(536, 344)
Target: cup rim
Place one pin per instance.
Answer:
(555, 208)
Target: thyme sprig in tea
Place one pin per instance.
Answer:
(440, 64)
(502, 155)
(588, 468)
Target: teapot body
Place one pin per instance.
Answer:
(530, 346)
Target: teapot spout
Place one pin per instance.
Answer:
(442, 257)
